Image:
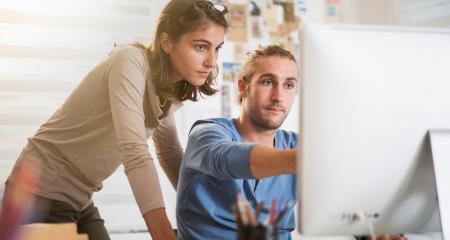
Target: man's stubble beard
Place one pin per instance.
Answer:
(258, 120)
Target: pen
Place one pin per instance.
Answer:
(259, 208)
(242, 210)
(251, 214)
(236, 214)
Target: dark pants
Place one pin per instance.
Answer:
(47, 210)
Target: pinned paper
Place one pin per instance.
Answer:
(238, 22)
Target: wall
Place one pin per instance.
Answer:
(414, 13)
(46, 47)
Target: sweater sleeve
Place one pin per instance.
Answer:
(126, 82)
(168, 148)
(211, 150)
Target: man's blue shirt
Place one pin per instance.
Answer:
(215, 168)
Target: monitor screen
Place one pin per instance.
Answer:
(369, 96)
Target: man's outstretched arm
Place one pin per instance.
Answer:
(266, 162)
(211, 150)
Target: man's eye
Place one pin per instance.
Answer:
(267, 82)
(290, 85)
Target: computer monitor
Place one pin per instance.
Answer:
(369, 96)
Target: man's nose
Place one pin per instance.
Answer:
(277, 93)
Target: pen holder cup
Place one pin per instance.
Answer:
(259, 232)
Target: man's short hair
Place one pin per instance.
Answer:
(248, 68)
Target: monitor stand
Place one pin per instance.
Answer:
(440, 150)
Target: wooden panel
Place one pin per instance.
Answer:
(131, 25)
(65, 37)
(39, 231)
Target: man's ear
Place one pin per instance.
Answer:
(242, 87)
(166, 42)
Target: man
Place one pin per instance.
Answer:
(249, 155)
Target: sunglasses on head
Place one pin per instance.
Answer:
(212, 6)
(204, 5)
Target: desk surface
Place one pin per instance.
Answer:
(39, 231)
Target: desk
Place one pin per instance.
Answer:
(41, 231)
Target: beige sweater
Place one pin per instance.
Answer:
(105, 122)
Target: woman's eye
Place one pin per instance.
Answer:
(200, 47)
(218, 49)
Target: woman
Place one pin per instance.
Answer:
(128, 97)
